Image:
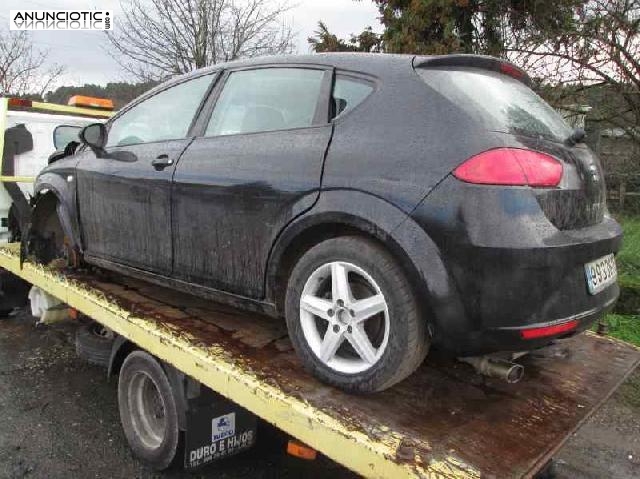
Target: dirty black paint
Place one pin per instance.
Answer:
(125, 204)
(224, 218)
(232, 195)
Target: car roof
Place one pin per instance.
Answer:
(377, 64)
(365, 62)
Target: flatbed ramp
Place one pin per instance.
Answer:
(444, 421)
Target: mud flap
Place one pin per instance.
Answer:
(216, 428)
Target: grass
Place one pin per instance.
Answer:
(629, 257)
(625, 327)
(624, 323)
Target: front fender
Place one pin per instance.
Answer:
(405, 239)
(63, 188)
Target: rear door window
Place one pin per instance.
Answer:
(349, 92)
(266, 99)
(498, 101)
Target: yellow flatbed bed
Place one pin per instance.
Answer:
(444, 421)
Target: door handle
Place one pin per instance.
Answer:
(161, 162)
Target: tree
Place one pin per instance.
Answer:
(325, 41)
(467, 26)
(22, 66)
(595, 60)
(160, 38)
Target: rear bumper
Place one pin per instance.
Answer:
(514, 270)
(510, 338)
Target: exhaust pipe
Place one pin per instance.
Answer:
(497, 368)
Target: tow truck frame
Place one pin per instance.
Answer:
(444, 421)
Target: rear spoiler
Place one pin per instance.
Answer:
(473, 61)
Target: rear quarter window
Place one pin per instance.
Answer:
(498, 101)
(349, 92)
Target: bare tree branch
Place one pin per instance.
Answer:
(22, 66)
(160, 38)
(595, 59)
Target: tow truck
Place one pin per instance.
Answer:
(196, 376)
(227, 368)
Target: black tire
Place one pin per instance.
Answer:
(93, 345)
(408, 341)
(141, 373)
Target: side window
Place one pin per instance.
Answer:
(348, 92)
(265, 100)
(165, 116)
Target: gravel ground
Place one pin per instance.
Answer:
(59, 419)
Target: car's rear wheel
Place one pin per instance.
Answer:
(352, 315)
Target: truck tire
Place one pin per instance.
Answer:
(148, 411)
(352, 315)
(93, 343)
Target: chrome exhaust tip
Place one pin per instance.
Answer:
(497, 368)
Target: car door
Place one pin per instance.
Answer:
(124, 196)
(257, 165)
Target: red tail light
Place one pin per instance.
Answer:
(511, 166)
(543, 332)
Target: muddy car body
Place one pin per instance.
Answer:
(440, 187)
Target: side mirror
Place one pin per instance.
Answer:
(65, 134)
(94, 136)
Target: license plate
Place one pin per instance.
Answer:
(601, 273)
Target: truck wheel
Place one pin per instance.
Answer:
(148, 410)
(94, 343)
(352, 315)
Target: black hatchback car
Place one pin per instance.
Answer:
(381, 203)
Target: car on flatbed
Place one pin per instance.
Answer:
(381, 203)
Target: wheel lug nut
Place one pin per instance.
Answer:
(349, 329)
(330, 312)
(340, 303)
(352, 312)
(336, 328)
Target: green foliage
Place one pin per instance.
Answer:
(325, 41)
(625, 323)
(468, 26)
(629, 258)
(624, 327)
(120, 93)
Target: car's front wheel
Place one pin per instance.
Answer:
(352, 315)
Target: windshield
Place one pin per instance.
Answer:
(502, 103)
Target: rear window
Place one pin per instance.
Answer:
(502, 103)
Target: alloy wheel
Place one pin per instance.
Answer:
(344, 317)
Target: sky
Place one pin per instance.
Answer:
(85, 53)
